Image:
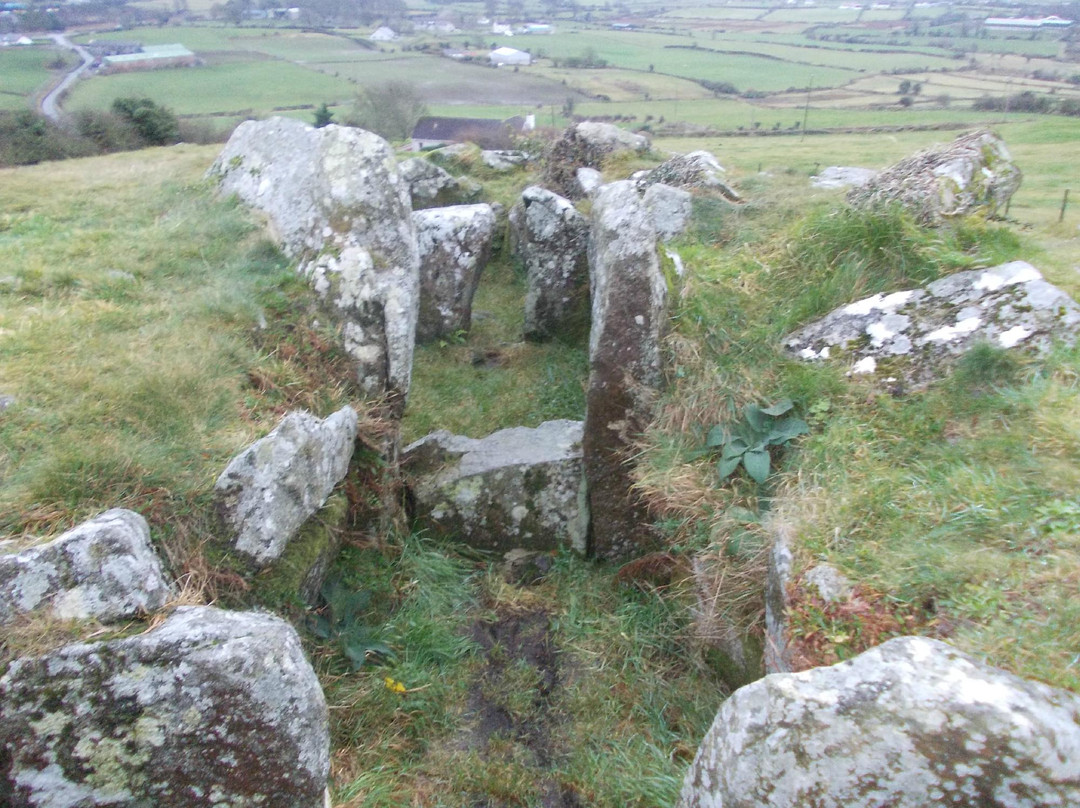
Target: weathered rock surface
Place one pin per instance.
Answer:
(210, 708)
(671, 209)
(586, 144)
(908, 724)
(431, 186)
(505, 159)
(629, 311)
(104, 569)
(516, 488)
(973, 173)
(269, 490)
(335, 199)
(843, 177)
(454, 245)
(914, 335)
(552, 239)
(698, 170)
(588, 180)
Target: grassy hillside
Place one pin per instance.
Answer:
(148, 331)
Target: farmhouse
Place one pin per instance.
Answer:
(1052, 21)
(150, 57)
(383, 34)
(509, 56)
(432, 132)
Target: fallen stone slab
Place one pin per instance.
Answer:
(842, 177)
(697, 171)
(269, 490)
(105, 569)
(516, 488)
(209, 708)
(915, 335)
(974, 173)
(911, 723)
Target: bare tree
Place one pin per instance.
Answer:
(390, 109)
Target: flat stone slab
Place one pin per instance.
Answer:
(104, 569)
(516, 488)
(842, 177)
(914, 335)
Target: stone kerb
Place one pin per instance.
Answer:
(209, 708)
(335, 199)
(104, 569)
(629, 311)
(908, 724)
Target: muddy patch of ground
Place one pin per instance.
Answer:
(513, 703)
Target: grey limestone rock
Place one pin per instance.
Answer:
(431, 186)
(842, 177)
(609, 138)
(910, 723)
(269, 490)
(698, 170)
(455, 245)
(588, 180)
(505, 159)
(831, 584)
(586, 144)
(914, 335)
(335, 199)
(211, 708)
(552, 239)
(629, 313)
(671, 209)
(516, 488)
(104, 569)
(973, 173)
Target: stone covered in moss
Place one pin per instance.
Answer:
(908, 724)
(212, 708)
(517, 487)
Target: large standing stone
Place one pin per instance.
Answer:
(516, 488)
(455, 245)
(973, 173)
(586, 144)
(629, 311)
(210, 708)
(105, 569)
(908, 724)
(552, 239)
(269, 490)
(916, 335)
(671, 209)
(336, 200)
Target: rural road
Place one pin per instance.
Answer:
(50, 104)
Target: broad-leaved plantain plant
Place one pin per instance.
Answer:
(748, 441)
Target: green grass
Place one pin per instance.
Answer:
(25, 70)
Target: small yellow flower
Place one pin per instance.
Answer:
(394, 684)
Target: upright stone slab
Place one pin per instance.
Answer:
(515, 488)
(104, 569)
(586, 144)
(336, 201)
(629, 311)
(552, 239)
(455, 245)
(974, 173)
(698, 171)
(909, 724)
(269, 490)
(671, 209)
(209, 708)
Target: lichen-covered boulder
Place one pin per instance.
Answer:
(629, 313)
(908, 724)
(209, 708)
(588, 180)
(552, 239)
(431, 186)
(455, 245)
(842, 177)
(698, 170)
(505, 159)
(104, 569)
(516, 488)
(337, 202)
(974, 173)
(671, 209)
(586, 144)
(913, 336)
(269, 490)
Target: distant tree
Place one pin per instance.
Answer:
(323, 116)
(156, 125)
(390, 109)
(906, 101)
(905, 87)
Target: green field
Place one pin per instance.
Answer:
(25, 70)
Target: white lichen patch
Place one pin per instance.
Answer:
(1013, 337)
(949, 333)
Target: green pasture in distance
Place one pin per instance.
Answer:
(258, 86)
(24, 70)
(624, 85)
(876, 60)
(198, 38)
(836, 16)
(706, 13)
(992, 44)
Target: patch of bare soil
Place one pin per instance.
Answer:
(513, 703)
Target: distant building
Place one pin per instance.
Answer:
(509, 56)
(383, 34)
(432, 132)
(539, 28)
(502, 29)
(1052, 21)
(150, 57)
